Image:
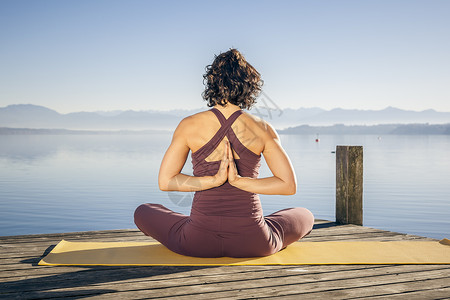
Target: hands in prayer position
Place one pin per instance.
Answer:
(227, 169)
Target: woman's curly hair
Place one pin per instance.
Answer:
(230, 78)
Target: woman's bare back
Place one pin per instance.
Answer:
(201, 127)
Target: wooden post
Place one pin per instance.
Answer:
(349, 185)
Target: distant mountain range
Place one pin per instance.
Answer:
(409, 129)
(389, 115)
(33, 116)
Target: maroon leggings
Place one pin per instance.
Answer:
(218, 236)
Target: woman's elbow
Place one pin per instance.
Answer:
(163, 188)
(163, 184)
(291, 188)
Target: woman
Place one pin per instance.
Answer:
(226, 143)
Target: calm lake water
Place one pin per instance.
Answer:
(64, 183)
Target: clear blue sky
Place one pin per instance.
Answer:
(87, 55)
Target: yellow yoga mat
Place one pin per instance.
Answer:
(299, 253)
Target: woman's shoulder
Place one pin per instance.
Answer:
(199, 116)
(263, 127)
(192, 122)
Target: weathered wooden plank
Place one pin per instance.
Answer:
(274, 288)
(43, 246)
(39, 271)
(426, 293)
(366, 237)
(259, 288)
(427, 288)
(21, 278)
(349, 185)
(46, 237)
(188, 281)
(212, 274)
(206, 272)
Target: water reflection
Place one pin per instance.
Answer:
(58, 183)
(36, 147)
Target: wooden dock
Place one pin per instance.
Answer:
(22, 278)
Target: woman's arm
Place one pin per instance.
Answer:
(283, 181)
(170, 177)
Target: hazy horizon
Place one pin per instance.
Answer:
(205, 108)
(32, 116)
